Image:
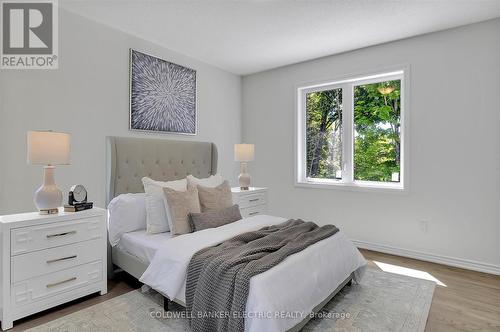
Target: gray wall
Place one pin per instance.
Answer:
(454, 138)
(88, 97)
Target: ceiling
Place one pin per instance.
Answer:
(248, 36)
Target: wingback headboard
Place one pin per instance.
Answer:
(129, 159)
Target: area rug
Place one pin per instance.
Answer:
(381, 302)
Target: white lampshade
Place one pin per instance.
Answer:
(244, 152)
(48, 148)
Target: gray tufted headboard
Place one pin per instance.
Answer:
(129, 159)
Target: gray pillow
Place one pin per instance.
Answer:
(212, 219)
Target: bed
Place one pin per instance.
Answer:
(160, 260)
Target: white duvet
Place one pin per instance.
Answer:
(280, 297)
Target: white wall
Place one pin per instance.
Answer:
(88, 96)
(454, 145)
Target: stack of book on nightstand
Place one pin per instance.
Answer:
(78, 207)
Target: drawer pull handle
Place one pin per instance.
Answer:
(253, 213)
(49, 236)
(254, 200)
(60, 282)
(61, 259)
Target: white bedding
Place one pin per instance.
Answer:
(143, 245)
(297, 284)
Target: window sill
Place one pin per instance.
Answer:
(355, 186)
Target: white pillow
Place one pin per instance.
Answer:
(212, 181)
(127, 213)
(156, 216)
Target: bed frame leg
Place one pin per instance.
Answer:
(166, 302)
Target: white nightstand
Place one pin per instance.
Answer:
(252, 201)
(48, 260)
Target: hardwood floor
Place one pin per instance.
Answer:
(469, 302)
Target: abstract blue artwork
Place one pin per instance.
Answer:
(162, 95)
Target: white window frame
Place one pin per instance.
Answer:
(347, 85)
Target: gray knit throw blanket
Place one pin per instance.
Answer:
(218, 277)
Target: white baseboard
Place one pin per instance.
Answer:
(424, 256)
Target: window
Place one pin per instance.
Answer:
(351, 132)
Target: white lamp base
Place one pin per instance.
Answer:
(244, 178)
(48, 197)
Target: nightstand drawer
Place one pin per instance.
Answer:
(36, 263)
(27, 239)
(253, 211)
(48, 285)
(249, 200)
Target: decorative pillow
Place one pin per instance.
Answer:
(127, 213)
(216, 198)
(155, 207)
(179, 205)
(211, 182)
(212, 219)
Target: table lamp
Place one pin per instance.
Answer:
(244, 153)
(48, 148)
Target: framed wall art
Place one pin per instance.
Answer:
(162, 95)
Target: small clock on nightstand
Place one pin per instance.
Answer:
(77, 199)
(77, 194)
(252, 202)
